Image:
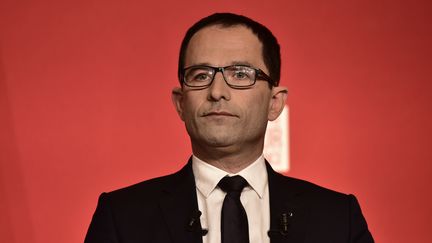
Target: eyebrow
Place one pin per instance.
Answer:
(243, 63)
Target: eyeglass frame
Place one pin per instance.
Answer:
(259, 75)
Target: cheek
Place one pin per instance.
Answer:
(190, 107)
(258, 109)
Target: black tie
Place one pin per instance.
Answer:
(234, 223)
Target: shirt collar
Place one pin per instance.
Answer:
(207, 176)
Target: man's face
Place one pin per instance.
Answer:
(220, 118)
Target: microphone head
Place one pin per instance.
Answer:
(194, 224)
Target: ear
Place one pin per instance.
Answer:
(277, 102)
(177, 99)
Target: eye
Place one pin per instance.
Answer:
(201, 77)
(240, 75)
(198, 75)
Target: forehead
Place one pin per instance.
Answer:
(222, 46)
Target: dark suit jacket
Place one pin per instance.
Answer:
(163, 210)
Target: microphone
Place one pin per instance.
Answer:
(194, 224)
(284, 223)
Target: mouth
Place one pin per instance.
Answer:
(218, 114)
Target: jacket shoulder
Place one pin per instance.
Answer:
(148, 191)
(308, 187)
(296, 187)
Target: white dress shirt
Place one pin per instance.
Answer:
(255, 199)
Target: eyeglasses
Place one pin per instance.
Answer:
(236, 76)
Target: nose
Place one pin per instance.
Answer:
(219, 89)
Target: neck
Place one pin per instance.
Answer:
(226, 160)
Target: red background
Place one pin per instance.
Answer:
(85, 105)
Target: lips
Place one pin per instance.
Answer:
(218, 113)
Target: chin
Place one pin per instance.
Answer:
(218, 140)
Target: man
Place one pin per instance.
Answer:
(229, 70)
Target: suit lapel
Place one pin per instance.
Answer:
(179, 204)
(288, 214)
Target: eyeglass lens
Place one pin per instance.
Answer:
(233, 75)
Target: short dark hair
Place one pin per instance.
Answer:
(270, 45)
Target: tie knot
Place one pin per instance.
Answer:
(232, 184)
